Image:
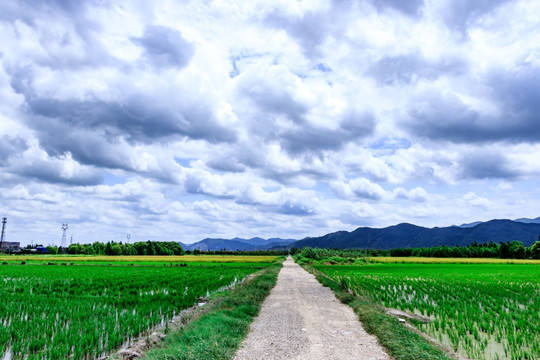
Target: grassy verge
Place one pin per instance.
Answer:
(218, 332)
(400, 342)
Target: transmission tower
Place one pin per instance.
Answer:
(4, 221)
(128, 236)
(71, 240)
(64, 228)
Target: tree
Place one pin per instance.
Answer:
(99, 248)
(535, 250)
(52, 250)
(505, 250)
(74, 249)
(116, 249)
(517, 250)
(108, 248)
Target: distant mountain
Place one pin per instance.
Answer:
(528, 221)
(521, 220)
(469, 225)
(408, 235)
(240, 244)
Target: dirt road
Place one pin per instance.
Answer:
(301, 319)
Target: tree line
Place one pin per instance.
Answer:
(119, 248)
(503, 250)
(142, 248)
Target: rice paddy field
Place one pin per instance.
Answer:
(428, 260)
(480, 310)
(140, 259)
(84, 307)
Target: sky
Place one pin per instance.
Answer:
(181, 120)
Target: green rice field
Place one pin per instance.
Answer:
(481, 311)
(85, 310)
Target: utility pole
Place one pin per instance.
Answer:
(4, 221)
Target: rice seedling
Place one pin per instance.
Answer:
(430, 260)
(56, 312)
(482, 311)
(144, 258)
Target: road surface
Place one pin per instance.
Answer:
(301, 319)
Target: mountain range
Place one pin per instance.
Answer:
(409, 235)
(398, 236)
(238, 244)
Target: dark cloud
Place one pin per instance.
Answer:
(138, 120)
(519, 95)
(274, 99)
(309, 30)
(407, 69)
(52, 171)
(312, 28)
(460, 14)
(227, 163)
(407, 7)
(482, 164)
(90, 129)
(26, 10)
(87, 146)
(9, 147)
(164, 46)
(312, 139)
(446, 117)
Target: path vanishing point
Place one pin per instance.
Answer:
(301, 319)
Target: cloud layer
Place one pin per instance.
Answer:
(178, 121)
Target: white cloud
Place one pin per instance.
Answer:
(271, 118)
(471, 198)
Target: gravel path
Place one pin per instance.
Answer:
(301, 319)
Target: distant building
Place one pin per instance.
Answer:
(10, 246)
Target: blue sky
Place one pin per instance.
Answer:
(180, 120)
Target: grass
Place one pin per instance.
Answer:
(218, 332)
(399, 341)
(481, 311)
(426, 260)
(143, 258)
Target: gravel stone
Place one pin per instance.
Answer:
(301, 319)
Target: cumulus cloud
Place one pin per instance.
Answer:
(266, 118)
(359, 188)
(451, 117)
(39, 167)
(461, 14)
(10, 147)
(487, 164)
(410, 68)
(310, 27)
(165, 47)
(411, 8)
(417, 194)
(473, 199)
